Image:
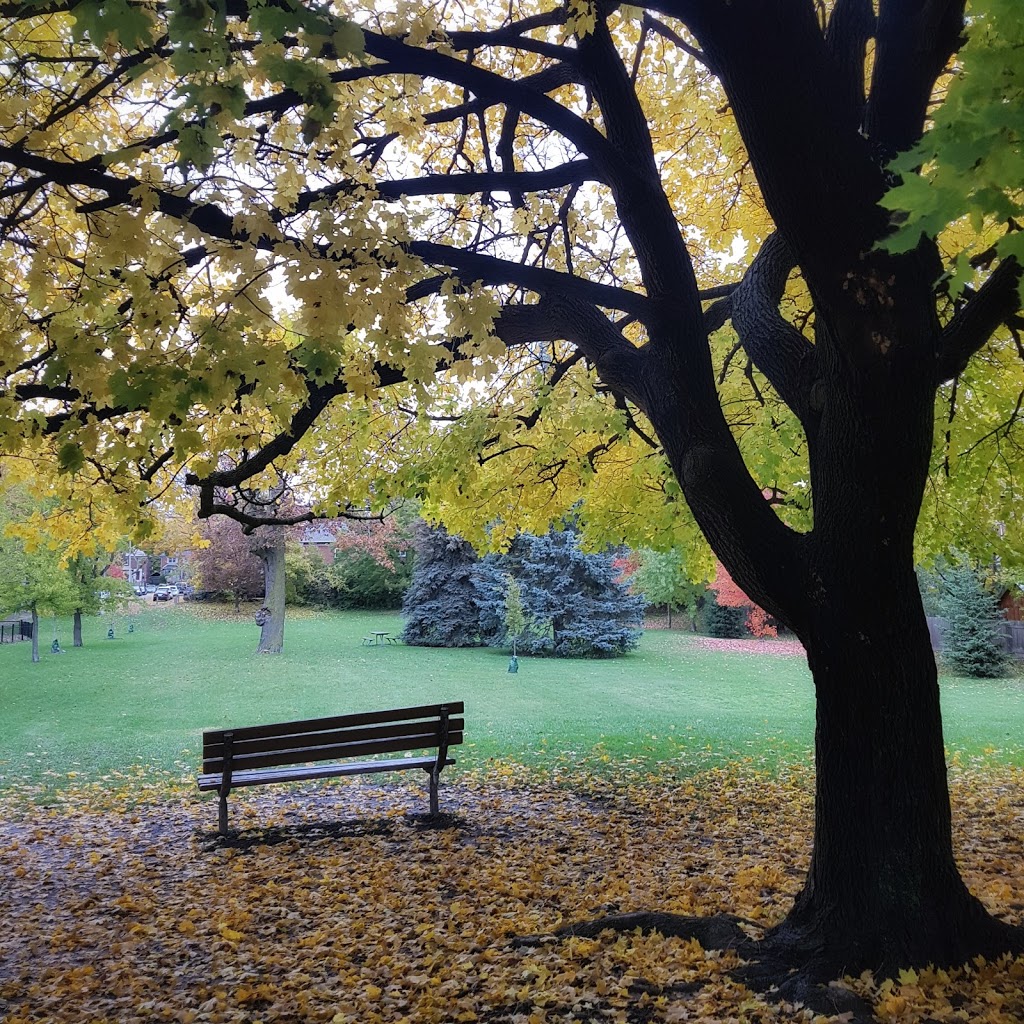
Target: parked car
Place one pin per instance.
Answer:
(164, 592)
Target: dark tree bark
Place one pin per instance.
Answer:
(35, 634)
(268, 543)
(883, 890)
(76, 639)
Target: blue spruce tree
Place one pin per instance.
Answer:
(573, 604)
(973, 643)
(440, 606)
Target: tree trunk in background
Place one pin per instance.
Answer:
(76, 639)
(268, 544)
(35, 634)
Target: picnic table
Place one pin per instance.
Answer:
(377, 637)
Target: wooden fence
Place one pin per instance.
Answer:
(1013, 635)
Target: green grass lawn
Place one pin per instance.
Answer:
(143, 698)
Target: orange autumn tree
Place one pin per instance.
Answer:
(729, 595)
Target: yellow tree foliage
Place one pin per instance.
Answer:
(516, 259)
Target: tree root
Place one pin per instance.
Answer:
(784, 966)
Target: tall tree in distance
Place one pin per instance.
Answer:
(267, 543)
(547, 256)
(662, 579)
(88, 583)
(575, 604)
(33, 580)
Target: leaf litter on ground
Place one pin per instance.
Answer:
(342, 902)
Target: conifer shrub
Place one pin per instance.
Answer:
(973, 644)
(441, 607)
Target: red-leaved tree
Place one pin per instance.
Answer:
(382, 540)
(730, 596)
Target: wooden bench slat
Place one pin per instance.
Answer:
(290, 740)
(259, 777)
(336, 722)
(298, 755)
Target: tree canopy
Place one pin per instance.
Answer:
(515, 260)
(298, 233)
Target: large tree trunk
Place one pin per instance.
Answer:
(35, 634)
(268, 543)
(76, 638)
(883, 889)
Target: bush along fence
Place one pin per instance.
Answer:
(1012, 633)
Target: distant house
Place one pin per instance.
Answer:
(320, 538)
(140, 569)
(136, 567)
(1012, 603)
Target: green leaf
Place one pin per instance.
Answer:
(70, 457)
(348, 39)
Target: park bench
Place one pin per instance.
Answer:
(287, 751)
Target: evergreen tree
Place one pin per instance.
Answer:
(441, 604)
(573, 603)
(724, 621)
(973, 643)
(493, 580)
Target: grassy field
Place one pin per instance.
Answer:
(143, 698)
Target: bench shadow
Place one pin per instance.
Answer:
(347, 828)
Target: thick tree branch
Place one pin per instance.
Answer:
(218, 223)
(488, 86)
(996, 300)
(914, 42)
(491, 270)
(850, 28)
(782, 82)
(777, 348)
(677, 40)
(513, 37)
(575, 172)
(643, 208)
(619, 363)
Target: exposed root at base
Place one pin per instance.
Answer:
(782, 967)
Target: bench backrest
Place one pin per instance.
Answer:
(322, 739)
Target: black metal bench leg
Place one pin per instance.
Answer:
(225, 783)
(433, 791)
